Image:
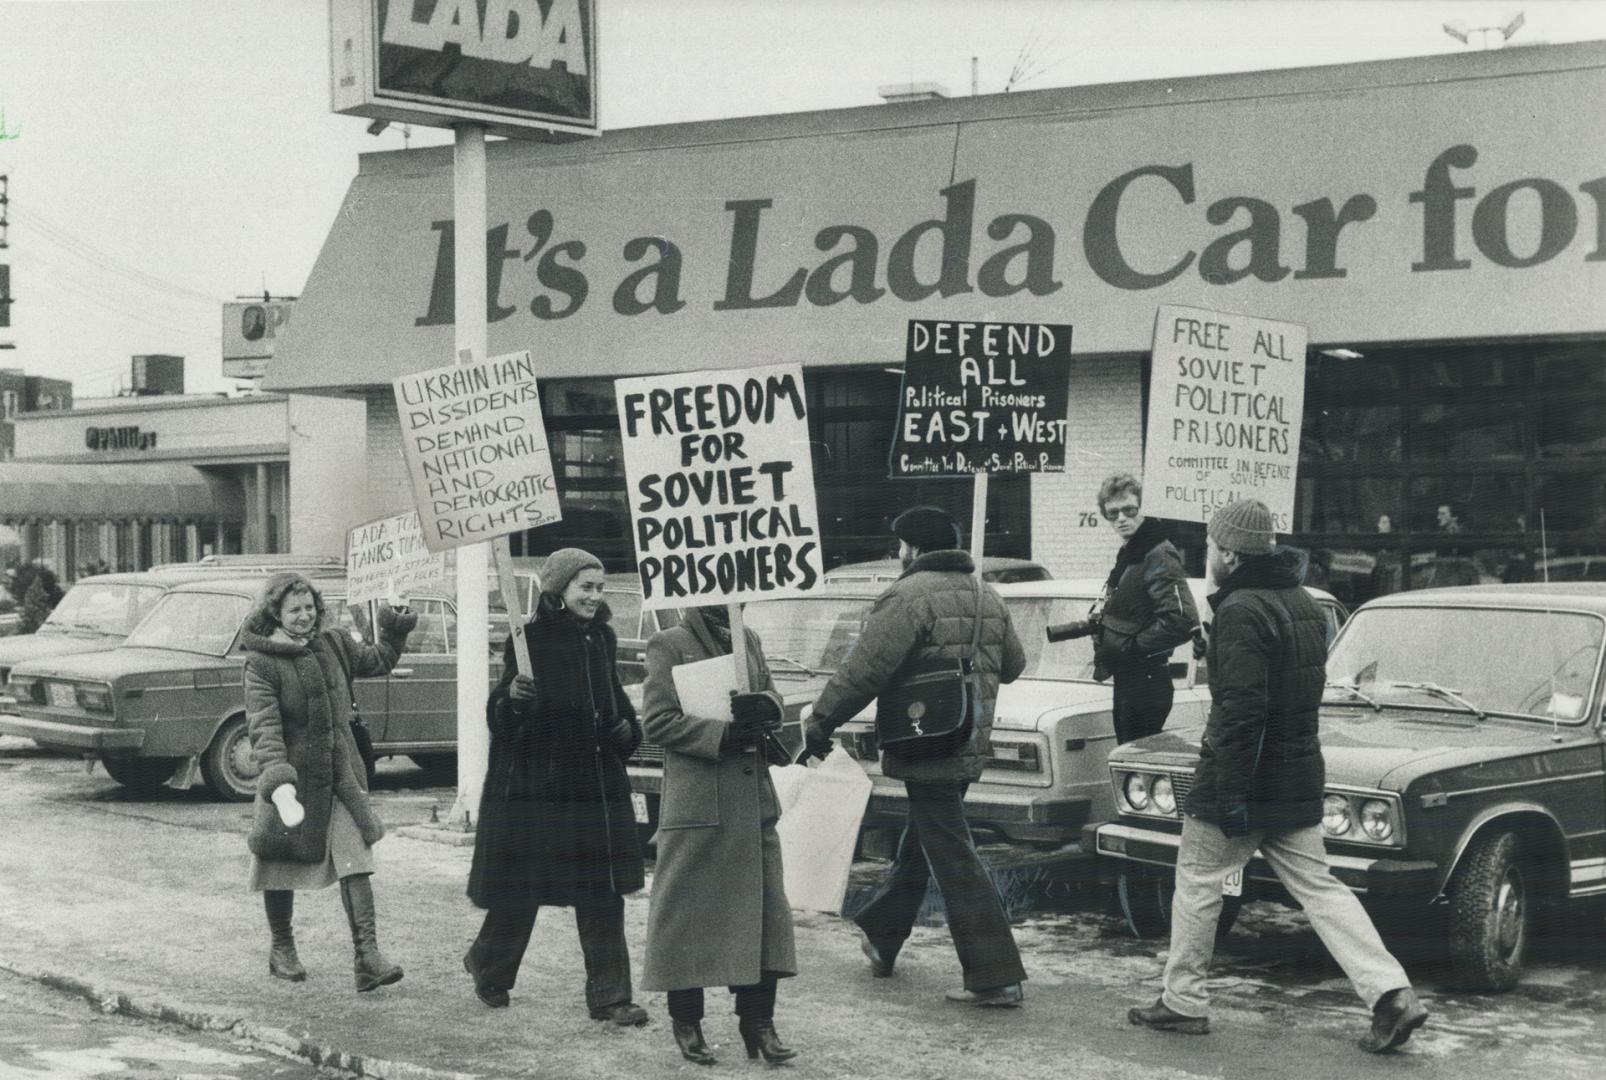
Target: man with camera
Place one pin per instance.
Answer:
(937, 613)
(1148, 611)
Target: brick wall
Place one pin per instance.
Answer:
(1105, 436)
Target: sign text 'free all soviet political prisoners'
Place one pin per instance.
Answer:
(982, 397)
(387, 557)
(476, 450)
(720, 481)
(1226, 399)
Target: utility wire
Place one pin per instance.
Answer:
(89, 253)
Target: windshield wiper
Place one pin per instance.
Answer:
(1443, 693)
(798, 664)
(1351, 688)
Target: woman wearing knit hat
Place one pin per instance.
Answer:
(556, 825)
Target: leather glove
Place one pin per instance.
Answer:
(760, 710)
(622, 736)
(396, 621)
(817, 739)
(522, 688)
(1201, 641)
(1235, 821)
(775, 752)
(735, 738)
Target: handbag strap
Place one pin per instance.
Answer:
(345, 668)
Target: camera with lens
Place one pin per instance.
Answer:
(1076, 628)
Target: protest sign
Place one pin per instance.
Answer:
(476, 450)
(387, 558)
(1226, 398)
(982, 397)
(720, 482)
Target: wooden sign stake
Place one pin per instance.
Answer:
(503, 556)
(978, 521)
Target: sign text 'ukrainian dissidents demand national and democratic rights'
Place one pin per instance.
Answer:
(720, 482)
(1226, 398)
(982, 397)
(476, 450)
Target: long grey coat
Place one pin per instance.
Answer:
(719, 915)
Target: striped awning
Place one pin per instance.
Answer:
(159, 491)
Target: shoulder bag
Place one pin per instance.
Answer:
(926, 712)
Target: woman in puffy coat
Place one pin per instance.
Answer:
(298, 676)
(719, 914)
(556, 826)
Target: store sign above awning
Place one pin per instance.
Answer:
(524, 68)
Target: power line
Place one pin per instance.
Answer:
(89, 253)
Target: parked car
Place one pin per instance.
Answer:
(883, 571)
(10, 617)
(167, 705)
(98, 612)
(1462, 729)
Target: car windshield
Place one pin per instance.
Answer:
(811, 632)
(192, 622)
(1072, 660)
(106, 608)
(1500, 660)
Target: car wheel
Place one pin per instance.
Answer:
(440, 770)
(142, 774)
(1491, 917)
(1145, 897)
(228, 766)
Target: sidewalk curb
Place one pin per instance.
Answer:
(201, 1018)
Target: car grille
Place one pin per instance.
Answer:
(1181, 784)
(650, 754)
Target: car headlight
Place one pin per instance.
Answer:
(1337, 818)
(1377, 819)
(95, 698)
(1136, 790)
(1164, 796)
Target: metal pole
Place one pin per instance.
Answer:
(473, 610)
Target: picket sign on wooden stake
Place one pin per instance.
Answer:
(978, 521)
(502, 555)
(739, 648)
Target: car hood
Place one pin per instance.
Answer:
(115, 663)
(25, 647)
(1388, 749)
(1026, 704)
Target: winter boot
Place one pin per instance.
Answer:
(371, 969)
(282, 960)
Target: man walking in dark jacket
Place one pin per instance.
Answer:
(929, 614)
(1148, 611)
(1259, 784)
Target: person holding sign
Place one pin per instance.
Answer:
(313, 823)
(556, 826)
(1259, 784)
(931, 614)
(1148, 611)
(719, 914)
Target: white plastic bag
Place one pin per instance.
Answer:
(822, 806)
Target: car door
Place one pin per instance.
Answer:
(422, 688)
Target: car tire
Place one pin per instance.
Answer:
(440, 770)
(1491, 914)
(141, 774)
(228, 767)
(1145, 897)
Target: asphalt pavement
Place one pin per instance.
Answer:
(138, 905)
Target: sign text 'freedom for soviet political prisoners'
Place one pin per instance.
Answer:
(1226, 399)
(721, 485)
(982, 397)
(476, 450)
(387, 558)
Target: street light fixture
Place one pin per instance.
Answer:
(1463, 33)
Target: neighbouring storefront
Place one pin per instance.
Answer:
(1438, 224)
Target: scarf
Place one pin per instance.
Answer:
(1150, 534)
(718, 619)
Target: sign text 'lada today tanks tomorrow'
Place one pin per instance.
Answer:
(1516, 224)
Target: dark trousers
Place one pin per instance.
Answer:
(755, 1002)
(505, 934)
(936, 842)
(1142, 702)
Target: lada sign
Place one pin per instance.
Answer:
(524, 68)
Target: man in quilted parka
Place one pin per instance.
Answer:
(929, 613)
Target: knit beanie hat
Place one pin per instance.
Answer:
(561, 567)
(1244, 526)
(929, 528)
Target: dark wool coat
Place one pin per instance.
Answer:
(928, 614)
(298, 711)
(719, 914)
(556, 825)
(1149, 610)
(1267, 656)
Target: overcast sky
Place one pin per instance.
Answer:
(166, 156)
